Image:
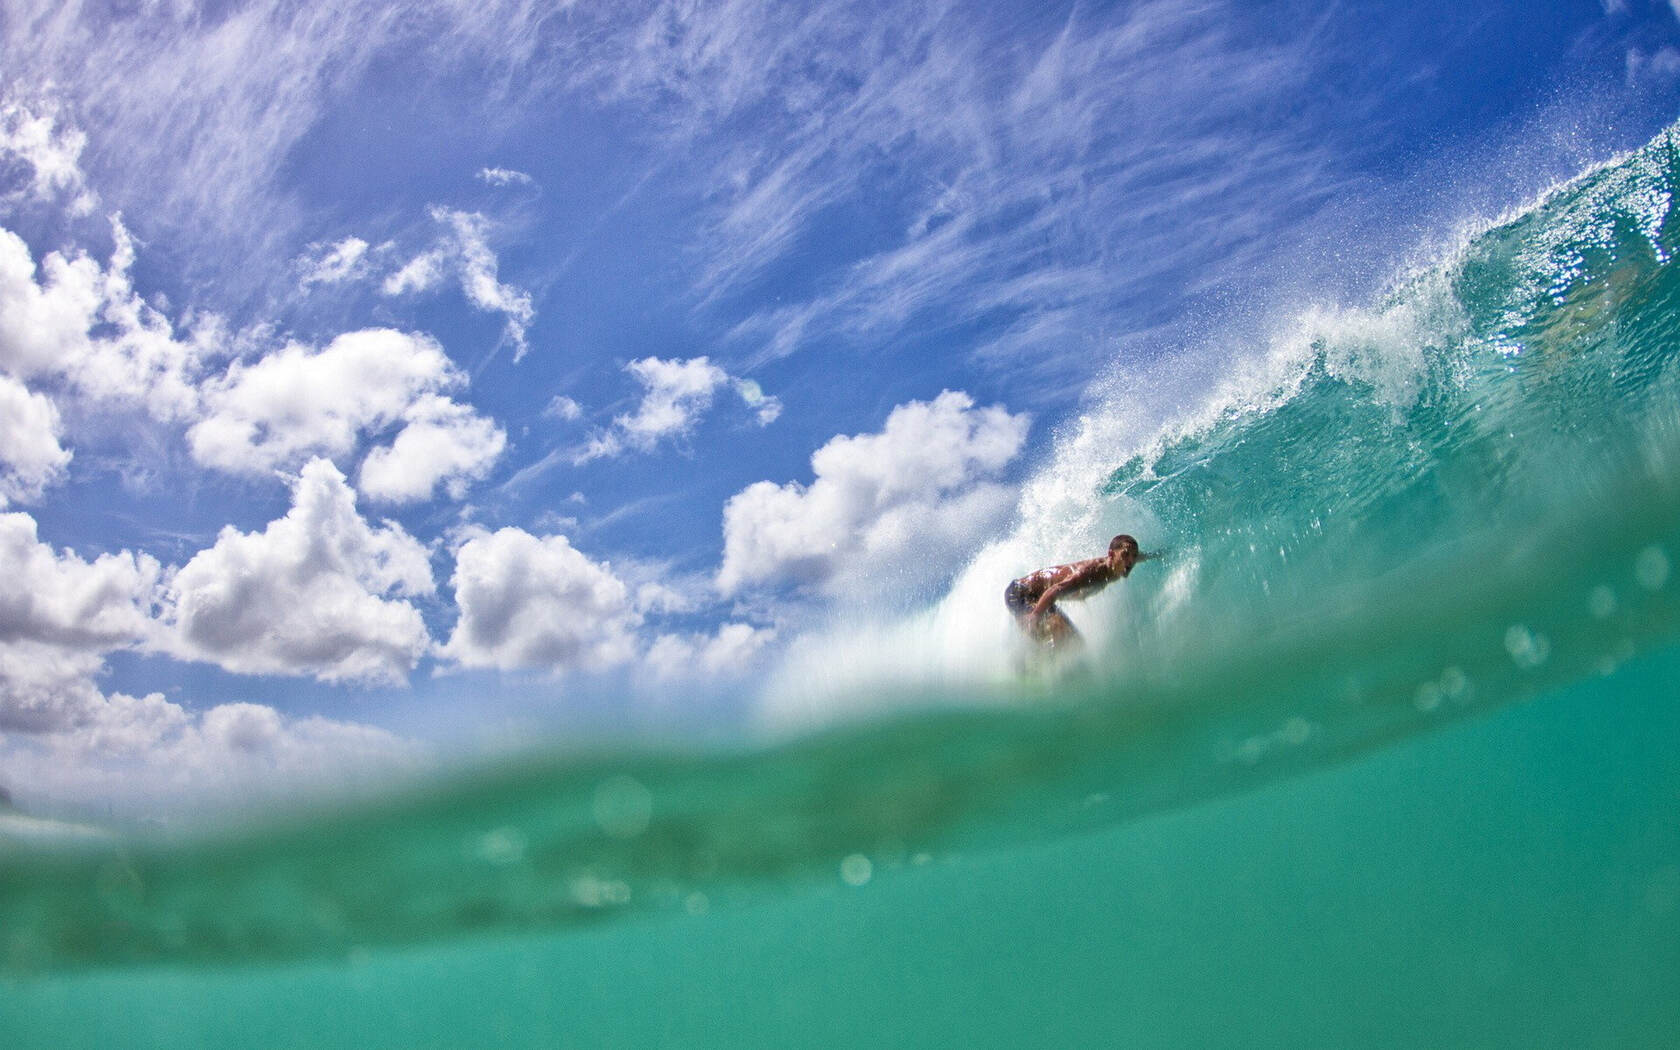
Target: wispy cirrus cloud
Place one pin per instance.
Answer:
(1038, 179)
(504, 177)
(1046, 181)
(205, 153)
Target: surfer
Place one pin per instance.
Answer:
(1032, 598)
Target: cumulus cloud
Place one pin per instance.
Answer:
(74, 320)
(59, 615)
(50, 155)
(676, 393)
(31, 457)
(464, 253)
(299, 402)
(441, 440)
(539, 603)
(77, 320)
(62, 736)
(318, 592)
(730, 651)
(893, 510)
(148, 752)
(45, 315)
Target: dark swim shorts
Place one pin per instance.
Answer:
(1015, 597)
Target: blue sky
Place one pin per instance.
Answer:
(381, 380)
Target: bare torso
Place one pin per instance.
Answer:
(1074, 581)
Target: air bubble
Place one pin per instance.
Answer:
(1428, 697)
(501, 847)
(1528, 649)
(856, 870)
(592, 891)
(623, 807)
(1601, 603)
(1296, 731)
(1650, 568)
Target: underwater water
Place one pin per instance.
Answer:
(1383, 752)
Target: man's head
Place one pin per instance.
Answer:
(1123, 553)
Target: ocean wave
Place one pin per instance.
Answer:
(1384, 519)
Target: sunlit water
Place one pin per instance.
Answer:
(1386, 752)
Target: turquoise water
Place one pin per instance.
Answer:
(1510, 882)
(1383, 753)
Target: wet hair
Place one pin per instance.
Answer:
(1122, 541)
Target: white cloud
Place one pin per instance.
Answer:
(676, 394)
(441, 440)
(61, 599)
(888, 511)
(50, 152)
(1658, 67)
(299, 402)
(31, 457)
(318, 592)
(766, 409)
(1063, 175)
(62, 737)
(149, 755)
(505, 177)
(59, 615)
(44, 320)
(731, 651)
(420, 274)
(537, 602)
(335, 263)
(77, 320)
(562, 407)
(465, 252)
(206, 154)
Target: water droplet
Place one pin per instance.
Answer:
(1454, 684)
(1650, 568)
(696, 903)
(623, 807)
(856, 870)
